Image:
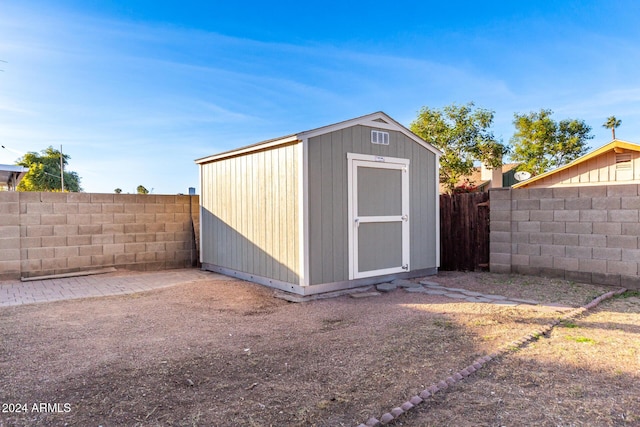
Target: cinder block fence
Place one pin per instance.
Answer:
(52, 233)
(586, 234)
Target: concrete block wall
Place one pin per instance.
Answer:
(586, 234)
(9, 235)
(52, 233)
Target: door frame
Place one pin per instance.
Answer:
(354, 161)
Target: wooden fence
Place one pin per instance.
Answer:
(464, 231)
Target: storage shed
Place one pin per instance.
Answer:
(345, 205)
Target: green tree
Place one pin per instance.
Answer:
(44, 172)
(540, 143)
(118, 190)
(612, 123)
(464, 136)
(142, 190)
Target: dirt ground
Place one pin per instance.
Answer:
(229, 354)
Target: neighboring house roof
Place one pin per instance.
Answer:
(378, 120)
(616, 146)
(475, 178)
(10, 175)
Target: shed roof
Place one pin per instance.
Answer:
(616, 144)
(378, 120)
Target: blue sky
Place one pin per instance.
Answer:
(134, 91)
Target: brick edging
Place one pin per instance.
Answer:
(441, 385)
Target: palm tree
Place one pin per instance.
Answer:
(612, 123)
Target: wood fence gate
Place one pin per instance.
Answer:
(464, 231)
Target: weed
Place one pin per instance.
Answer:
(582, 339)
(446, 324)
(484, 322)
(576, 391)
(333, 324)
(323, 404)
(568, 324)
(629, 294)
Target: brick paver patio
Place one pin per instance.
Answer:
(15, 292)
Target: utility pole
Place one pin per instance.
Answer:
(61, 171)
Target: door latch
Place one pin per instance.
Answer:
(357, 221)
(405, 217)
(405, 267)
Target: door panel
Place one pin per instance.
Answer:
(379, 191)
(379, 245)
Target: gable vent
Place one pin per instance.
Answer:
(379, 137)
(623, 161)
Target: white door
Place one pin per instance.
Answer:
(378, 214)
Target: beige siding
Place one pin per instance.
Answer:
(250, 213)
(596, 171)
(327, 187)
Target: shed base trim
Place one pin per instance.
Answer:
(319, 288)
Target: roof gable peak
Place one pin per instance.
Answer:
(378, 120)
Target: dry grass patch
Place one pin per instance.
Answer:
(585, 373)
